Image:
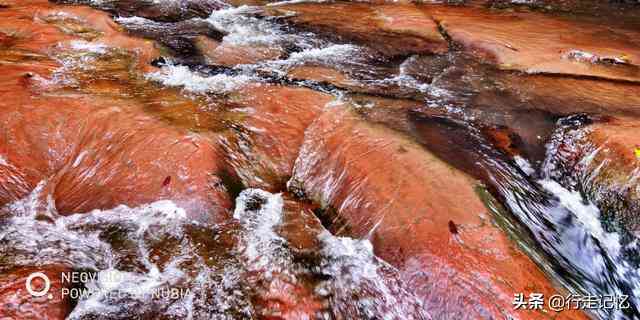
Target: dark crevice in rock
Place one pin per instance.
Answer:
(231, 182)
(595, 78)
(443, 32)
(332, 221)
(178, 37)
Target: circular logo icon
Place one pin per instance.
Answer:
(41, 292)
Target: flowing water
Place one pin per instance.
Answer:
(226, 270)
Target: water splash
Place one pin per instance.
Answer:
(182, 76)
(137, 255)
(586, 259)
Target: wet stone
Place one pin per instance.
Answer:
(389, 29)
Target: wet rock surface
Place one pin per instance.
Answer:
(319, 160)
(601, 160)
(259, 156)
(526, 41)
(390, 29)
(385, 186)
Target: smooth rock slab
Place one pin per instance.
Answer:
(422, 216)
(533, 42)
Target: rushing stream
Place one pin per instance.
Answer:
(271, 256)
(559, 228)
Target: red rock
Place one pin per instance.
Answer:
(614, 13)
(284, 301)
(282, 288)
(111, 138)
(230, 54)
(38, 26)
(390, 29)
(17, 303)
(300, 225)
(120, 161)
(503, 139)
(95, 144)
(272, 119)
(537, 43)
(282, 298)
(389, 189)
(321, 74)
(565, 95)
(98, 159)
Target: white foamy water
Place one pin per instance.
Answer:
(74, 238)
(357, 284)
(524, 165)
(596, 253)
(261, 242)
(74, 56)
(139, 21)
(138, 255)
(181, 76)
(92, 47)
(570, 228)
(331, 54)
(586, 213)
(326, 54)
(352, 267)
(405, 80)
(242, 28)
(586, 221)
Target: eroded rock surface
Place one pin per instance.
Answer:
(264, 145)
(83, 135)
